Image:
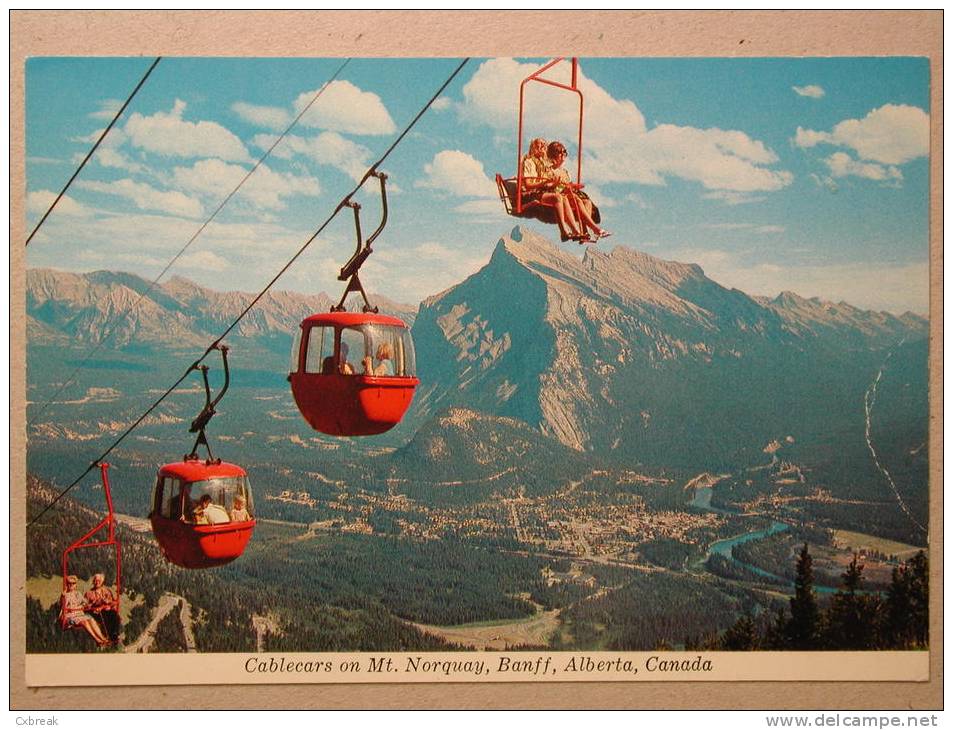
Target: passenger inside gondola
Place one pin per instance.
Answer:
(345, 367)
(220, 499)
(239, 512)
(208, 513)
(385, 361)
(198, 514)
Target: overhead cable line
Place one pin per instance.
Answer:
(123, 314)
(90, 153)
(341, 204)
(264, 291)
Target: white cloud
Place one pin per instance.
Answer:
(168, 134)
(810, 138)
(146, 197)
(328, 148)
(401, 270)
(115, 138)
(265, 188)
(892, 135)
(842, 165)
(619, 146)
(107, 109)
(813, 91)
(601, 198)
(825, 181)
(717, 159)
(343, 107)
(893, 288)
(147, 242)
(485, 208)
(271, 117)
(459, 174)
(637, 200)
(208, 177)
(39, 201)
(732, 198)
(205, 260)
(108, 153)
(119, 261)
(727, 226)
(441, 103)
(116, 159)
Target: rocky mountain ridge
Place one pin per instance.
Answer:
(616, 353)
(624, 352)
(82, 308)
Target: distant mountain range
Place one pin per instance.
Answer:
(81, 309)
(620, 353)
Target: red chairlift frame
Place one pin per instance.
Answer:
(535, 76)
(87, 541)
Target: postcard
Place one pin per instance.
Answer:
(393, 360)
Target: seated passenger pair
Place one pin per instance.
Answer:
(94, 612)
(547, 182)
(384, 357)
(206, 513)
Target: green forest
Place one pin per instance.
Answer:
(851, 619)
(301, 588)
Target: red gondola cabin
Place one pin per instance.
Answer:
(218, 539)
(353, 373)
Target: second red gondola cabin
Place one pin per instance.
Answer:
(353, 373)
(217, 538)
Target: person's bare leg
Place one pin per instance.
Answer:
(557, 202)
(584, 210)
(570, 218)
(93, 629)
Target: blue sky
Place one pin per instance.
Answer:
(809, 175)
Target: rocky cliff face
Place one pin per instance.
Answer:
(624, 352)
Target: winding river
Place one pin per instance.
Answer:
(723, 548)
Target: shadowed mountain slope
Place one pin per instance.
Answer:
(625, 353)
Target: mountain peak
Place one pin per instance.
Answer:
(529, 247)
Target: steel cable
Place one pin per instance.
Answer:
(123, 314)
(90, 153)
(247, 309)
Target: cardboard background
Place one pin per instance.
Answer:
(453, 34)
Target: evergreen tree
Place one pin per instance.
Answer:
(896, 631)
(776, 637)
(919, 598)
(850, 623)
(742, 636)
(802, 629)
